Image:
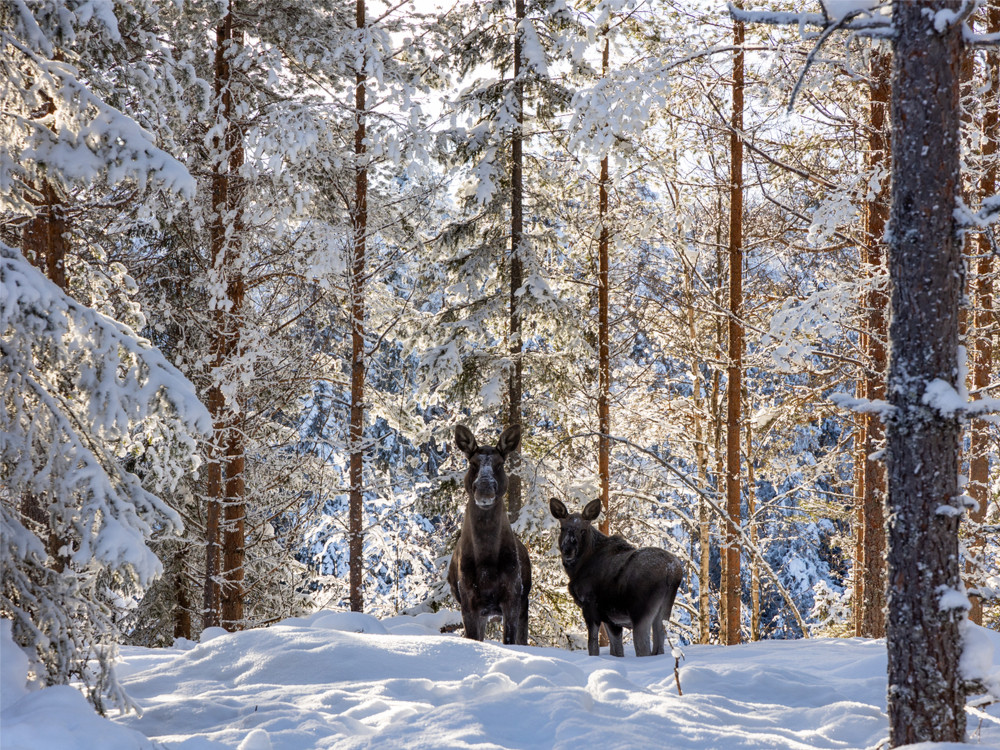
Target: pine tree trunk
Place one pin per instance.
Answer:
(45, 246)
(731, 586)
(604, 339)
(982, 295)
(926, 699)
(360, 221)
(861, 428)
(872, 623)
(182, 598)
(224, 491)
(752, 524)
(515, 383)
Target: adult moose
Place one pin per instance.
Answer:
(490, 573)
(616, 583)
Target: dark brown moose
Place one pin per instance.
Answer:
(490, 573)
(616, 583)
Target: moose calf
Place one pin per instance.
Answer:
(616, 583)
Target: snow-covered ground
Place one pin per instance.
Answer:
(343, 680)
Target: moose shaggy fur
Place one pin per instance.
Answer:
(490, 573)
(616, 583)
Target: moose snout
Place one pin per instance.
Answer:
(484, 486)
(485, 493)
(568, 548)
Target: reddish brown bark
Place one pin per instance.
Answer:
(515, 382)
(981, 348)
(734, 372)
(604, 338)
(45, 245)
(360, 221)
(876, 303)
(224, 490)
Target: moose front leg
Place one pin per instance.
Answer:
(515, 618)
(473, 625)
(593, 639)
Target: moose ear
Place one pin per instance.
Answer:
(558, 508)
(592, 510)
(465, 440)
(509, 440)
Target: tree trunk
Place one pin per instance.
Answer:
(360, 221)
(926, 700)
(872, 622)
(604, 339)
(861, 428)
(45, 246)
(731, 586)
(752, 524)
(224, 491)
(982, 295)
(515, 384)
(182, 597)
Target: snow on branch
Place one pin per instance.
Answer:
(55, 123)
(943, 398)
(988, 213)
(83, 392)
(862, 405)
(849, 15)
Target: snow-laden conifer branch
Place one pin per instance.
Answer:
(82, 397)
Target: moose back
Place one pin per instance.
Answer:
(616, 583)
(490, 573)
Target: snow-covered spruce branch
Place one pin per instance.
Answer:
(716, 508)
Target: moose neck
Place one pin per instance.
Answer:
(487, 526)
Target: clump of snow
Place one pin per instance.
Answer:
(838, 9)
(978, 663)
(941, 396)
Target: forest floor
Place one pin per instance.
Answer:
(344, 680)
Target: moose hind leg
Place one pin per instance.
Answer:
(659, 632)
(615, 639)
(640, 635)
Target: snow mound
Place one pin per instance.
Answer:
(52, 718)
(346, 680)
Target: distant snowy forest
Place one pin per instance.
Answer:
(259, 259)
